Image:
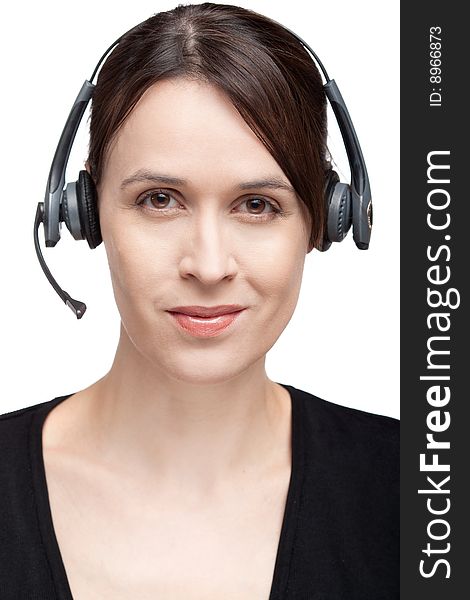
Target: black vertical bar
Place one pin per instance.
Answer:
(435, 267)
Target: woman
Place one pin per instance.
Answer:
(185, 472)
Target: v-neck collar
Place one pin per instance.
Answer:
(289, 523)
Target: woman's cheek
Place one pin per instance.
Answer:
(283, 266)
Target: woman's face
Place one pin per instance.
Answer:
(210, 238)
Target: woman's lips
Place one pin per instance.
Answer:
(205, 326)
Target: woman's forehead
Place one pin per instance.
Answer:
(189, 126)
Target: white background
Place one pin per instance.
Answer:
(342, 343)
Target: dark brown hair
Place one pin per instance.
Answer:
(265, 71)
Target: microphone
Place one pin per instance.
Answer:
(76, 306)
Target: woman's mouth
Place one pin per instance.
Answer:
(205, 326)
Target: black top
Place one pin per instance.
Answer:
(340, 532)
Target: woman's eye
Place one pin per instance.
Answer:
(256, 207)
(158, 200)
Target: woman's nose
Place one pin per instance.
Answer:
(208, 252)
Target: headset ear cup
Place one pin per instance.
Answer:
(339, 212)
(88, 209)
(331, 179)
(68, 211)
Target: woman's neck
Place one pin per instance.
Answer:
(194, 435)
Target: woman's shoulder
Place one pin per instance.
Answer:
(353, 433)
(11, 418)
(15, 427)
(344, 417)
(348, 471)
(20, 445)
(16, 419)
(352, 456)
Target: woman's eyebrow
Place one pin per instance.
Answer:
(142, 175)
(145, 175)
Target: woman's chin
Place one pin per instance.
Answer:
(206, 368)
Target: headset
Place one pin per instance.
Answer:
(76, 204)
